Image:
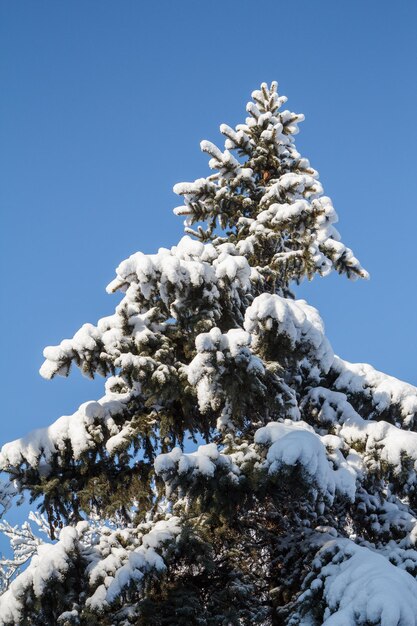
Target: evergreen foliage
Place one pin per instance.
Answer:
(296, 506)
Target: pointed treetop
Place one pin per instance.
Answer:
(266, 199)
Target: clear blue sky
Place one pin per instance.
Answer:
(102, 109)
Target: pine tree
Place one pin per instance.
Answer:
(297, 504)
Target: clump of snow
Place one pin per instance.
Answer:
(328, 407)
(276, 446)
(113, 560)
(378, 441)
(188, 263)
(121, 566)
(296, 443)
(358, 586)
(383, 393)
(293, 320)
(217, 354)
(81, 430)
(383, 441)
(292, 186)
(51, 562)
(165, 284)
(204, 462)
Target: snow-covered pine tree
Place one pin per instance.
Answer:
(298, 506)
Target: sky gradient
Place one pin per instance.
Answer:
(103, 106)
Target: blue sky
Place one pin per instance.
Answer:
(103, 106)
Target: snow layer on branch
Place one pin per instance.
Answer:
(51, 562)
(123, 566)
(82, 430)
(296, 321)
(296, 443)
(165, 285)
(219, 355)
(383, 392)
(112, 558)
(188, 262)
(297, 185)
(343, 259)
(358, 587)
(104, 342)
(392, 445)
(276, 446)
(204, 462)
(378, 441)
